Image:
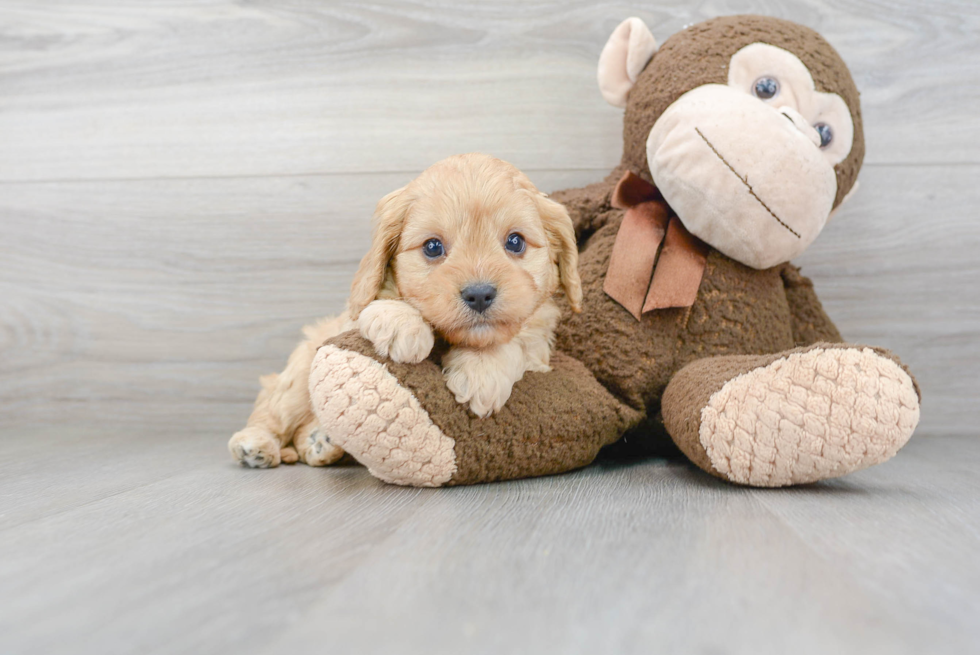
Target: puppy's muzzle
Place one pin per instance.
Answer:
(479, 297)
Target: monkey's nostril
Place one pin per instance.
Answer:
(800, 124)
(479, 296)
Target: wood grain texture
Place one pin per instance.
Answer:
(172, 294)
(140, 89)
(205, 557)
(176, 295)
(183, 185)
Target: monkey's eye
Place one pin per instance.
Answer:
(765, 88)
(826, 134)
(433, 249)
(515, 243)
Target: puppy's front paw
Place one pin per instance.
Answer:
(397, 330)
(486, 389)
(255, 447)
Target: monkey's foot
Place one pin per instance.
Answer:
(804, 415)
(405, 425)
(379, 422)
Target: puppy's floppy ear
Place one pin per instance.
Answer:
(561, 238)
(389, 219)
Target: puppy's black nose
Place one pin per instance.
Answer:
(479, 296)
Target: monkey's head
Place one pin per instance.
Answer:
(749, 126)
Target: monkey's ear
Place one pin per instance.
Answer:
(389, 218)
(626, 53)
(847, 196)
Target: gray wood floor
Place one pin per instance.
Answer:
(111, 544)
(184, 184)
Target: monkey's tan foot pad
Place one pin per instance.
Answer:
(403, 423)
(792, 418)
(379, 422)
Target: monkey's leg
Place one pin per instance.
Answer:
(403, 423)
(816, 412)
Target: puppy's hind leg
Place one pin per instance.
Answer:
(282, 422)
(258, 445)
(313, 445)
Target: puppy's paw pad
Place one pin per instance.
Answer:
(486, 393)
(288, 455)
(491, 400)
(255, 448)
(397, 330)
(319, 450)
(412, 343)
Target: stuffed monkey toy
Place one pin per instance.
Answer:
(741, 137)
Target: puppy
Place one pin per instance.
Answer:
(470, 250)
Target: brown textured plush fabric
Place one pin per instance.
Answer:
(591, 206)
(810, 322)
(554, 422)
(738, 310)
(700, 54)
(689, 391)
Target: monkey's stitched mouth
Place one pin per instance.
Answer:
(747, 185)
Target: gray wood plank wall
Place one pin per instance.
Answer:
(183, 185)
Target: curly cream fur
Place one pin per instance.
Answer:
(400, 299)
(484, 377)
(282, 426)
(397, 330)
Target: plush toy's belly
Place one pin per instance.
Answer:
(738, 310)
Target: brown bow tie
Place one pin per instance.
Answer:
(648, 225)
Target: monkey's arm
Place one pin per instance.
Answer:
(588, 206)
(810, 322)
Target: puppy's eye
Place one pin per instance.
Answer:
(433, 249)
(826, 134)
(515, 243)
(765, 88)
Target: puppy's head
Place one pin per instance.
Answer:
(474, 246)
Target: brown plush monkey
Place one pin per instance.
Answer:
(741, 136)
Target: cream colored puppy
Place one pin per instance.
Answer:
(470, 251)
